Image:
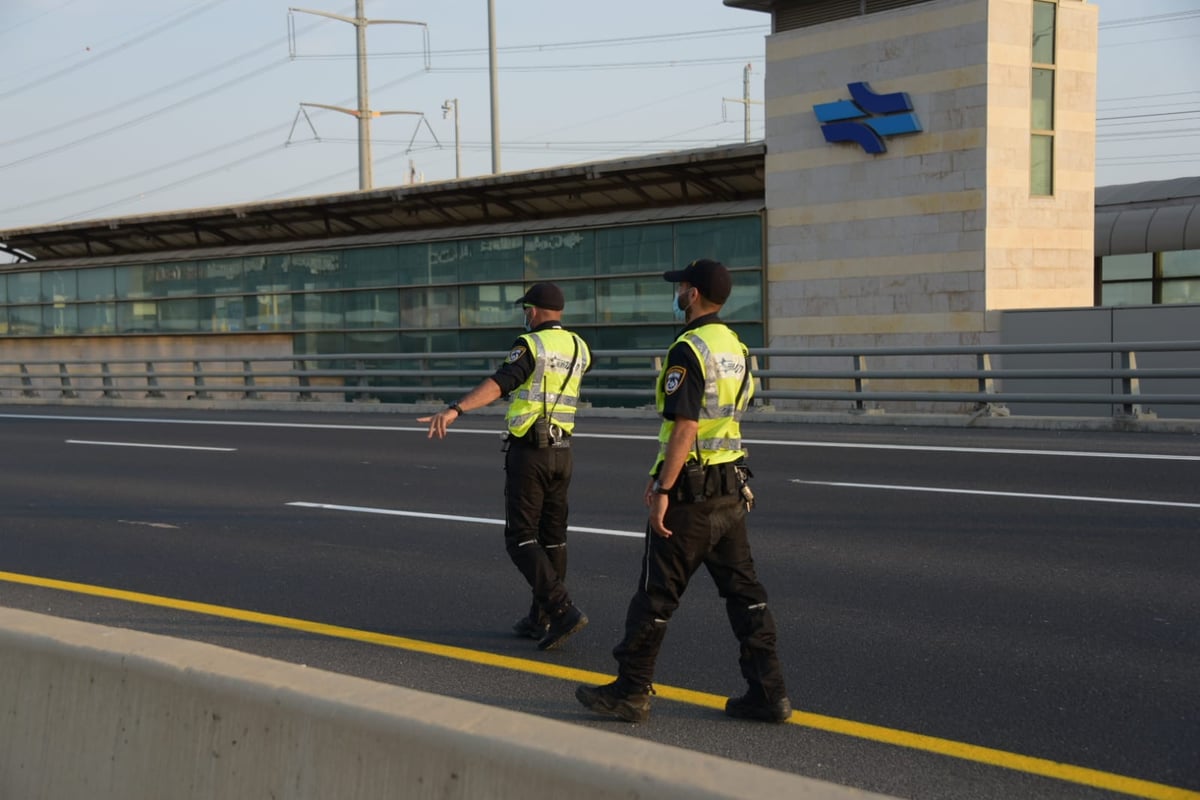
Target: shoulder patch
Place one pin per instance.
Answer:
(515, 355)
(674, 379)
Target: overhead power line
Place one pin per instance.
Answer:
(109, 53)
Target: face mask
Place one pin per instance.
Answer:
(679, 311)
(527, 316)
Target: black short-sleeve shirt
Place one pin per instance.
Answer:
(683, 377)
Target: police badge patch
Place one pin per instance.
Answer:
(515, 355)
(674, 379)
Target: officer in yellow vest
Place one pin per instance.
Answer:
(542, 373)
(698, 498)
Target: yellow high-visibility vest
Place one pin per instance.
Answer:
(728, 387)
(549, 390)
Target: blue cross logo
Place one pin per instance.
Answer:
(840, 119)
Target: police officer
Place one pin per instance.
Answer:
(698, 501)
(544, 367)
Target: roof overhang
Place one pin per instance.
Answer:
(723, 174)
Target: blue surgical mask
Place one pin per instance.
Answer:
(528, 320)
(679, 311)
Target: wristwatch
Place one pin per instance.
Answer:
(658, 488)
(457, 408)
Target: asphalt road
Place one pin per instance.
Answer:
(962, 614)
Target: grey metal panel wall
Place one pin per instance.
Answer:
(1057, 326)
(1121, 324)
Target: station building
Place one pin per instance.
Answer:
(927, 168)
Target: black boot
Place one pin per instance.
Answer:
(564, 622)
(616, 700)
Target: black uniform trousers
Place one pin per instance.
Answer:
(712, 533)
(536, 480)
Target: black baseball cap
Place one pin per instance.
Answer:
(711, 279)
(543, 295)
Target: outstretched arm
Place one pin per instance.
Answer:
(485, 393)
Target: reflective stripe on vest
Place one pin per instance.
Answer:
(724, 366)
(549, 389)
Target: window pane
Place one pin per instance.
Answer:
(3, 289)
(219, 276)
(734, 242)
(319, 342)
(373, 309)
(370, 266)
(490, 304)
(374, 342)
(174, 280)
(267, 273)
(24, 320)
(745, 303)
(1181, 264)
(270, 312)
(179, 316)
(1129, 267)
(97, 284)
(1043, 33)
(1041, 166)
(316, 270)
(428, 263)
(222, 314)
(559, 255)
(25, 287)
(131, 281)
(750, 334)
(138, 317)
(646, 299)
(1126, 294)
(501, 258)
(58, 286)
(1181, 291)
(97, 317)
(317, 311)
(580, 302)
(639, 248)
(60, 319)
(1042, 108)
(435, 307)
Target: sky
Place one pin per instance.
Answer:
(114, 108)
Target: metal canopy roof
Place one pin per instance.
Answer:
(1148, 217)
(711, 175)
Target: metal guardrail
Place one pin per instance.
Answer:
(847, 375)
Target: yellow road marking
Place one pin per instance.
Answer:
(913, 741)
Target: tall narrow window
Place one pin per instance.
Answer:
(1041, 146)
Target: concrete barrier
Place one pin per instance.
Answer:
(95, 713)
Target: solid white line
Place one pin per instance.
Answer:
(938, 490)
(451, 517)
(626, 436)
(985, 450)
(161, 446)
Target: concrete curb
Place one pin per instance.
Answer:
(111, 714)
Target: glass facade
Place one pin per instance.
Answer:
(1150, 278)
(442, 296)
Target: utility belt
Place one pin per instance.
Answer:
(543, 433)
(698, 483)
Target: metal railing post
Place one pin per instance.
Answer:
(1132, 385)
(27, 383)
(107, 382)
(860, 384)
(152, 389)
(987, 385)
(64, 378)
(301, 366)
(198, 378)
(248, 382)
